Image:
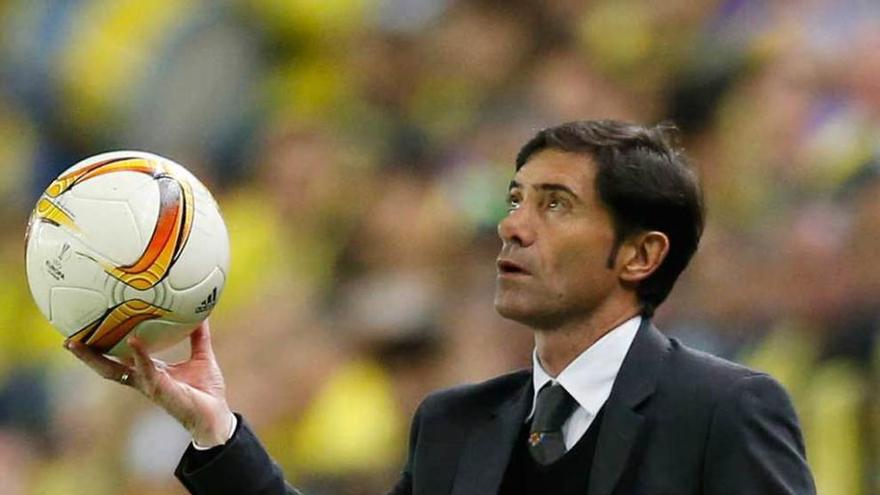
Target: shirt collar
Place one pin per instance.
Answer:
(591, 375)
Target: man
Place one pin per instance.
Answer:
(603, 217)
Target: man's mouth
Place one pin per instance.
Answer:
(507, 267)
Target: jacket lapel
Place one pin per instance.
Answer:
(489, 445)
(635, 382)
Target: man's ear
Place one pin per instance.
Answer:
(643, 255)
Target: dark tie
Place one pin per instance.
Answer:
(552, 407)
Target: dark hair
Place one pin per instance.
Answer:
(645, 183)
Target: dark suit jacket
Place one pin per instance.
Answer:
(678, 421)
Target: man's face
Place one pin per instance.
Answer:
(556, 240)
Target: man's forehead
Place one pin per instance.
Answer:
(573, 170)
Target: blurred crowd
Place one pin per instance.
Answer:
(360, 151)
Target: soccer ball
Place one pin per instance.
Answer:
(126, 242)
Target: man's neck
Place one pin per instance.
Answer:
(558, 347)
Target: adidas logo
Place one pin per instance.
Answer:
(209, 302)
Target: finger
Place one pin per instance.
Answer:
(144, 365)
(104, 366)
(200, 341)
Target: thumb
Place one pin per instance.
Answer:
(200, 341)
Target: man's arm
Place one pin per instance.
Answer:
(240, 466)
(755, 443)
(194, 393)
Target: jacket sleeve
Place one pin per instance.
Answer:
(241, 467)
(755, 443)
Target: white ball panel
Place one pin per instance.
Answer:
(140, 192)
(116, 186)
(75, 307)
(36, 254)
(196, 303)
(109, 228)
(144, 204)
(206, 249)
(55, 258)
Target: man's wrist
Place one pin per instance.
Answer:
(206, 443)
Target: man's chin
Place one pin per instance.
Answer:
(517, 312)
(531, 315)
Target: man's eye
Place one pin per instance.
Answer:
(512, 203)
(555, 204)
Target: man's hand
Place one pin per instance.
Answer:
(193, 391)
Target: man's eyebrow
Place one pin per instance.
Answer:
(545, 187)
(555, 187)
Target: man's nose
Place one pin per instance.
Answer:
(516, 228)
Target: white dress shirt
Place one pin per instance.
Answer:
(232, 426)
(588, 378)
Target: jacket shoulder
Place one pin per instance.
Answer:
(483, 395)
(704, 374)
